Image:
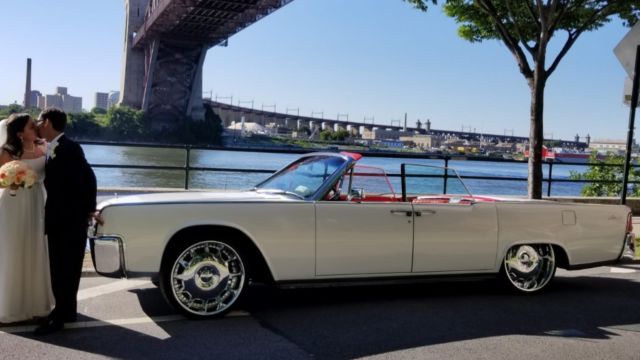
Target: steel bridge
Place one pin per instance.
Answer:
(166, 42)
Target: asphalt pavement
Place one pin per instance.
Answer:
(586, 314)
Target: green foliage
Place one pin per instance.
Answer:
(83, 125)
(325, 135)
(328, 135)
(597, 172)
(519, 24)
(126, 122)
(194, 132)
(97, 110)
(11, 109)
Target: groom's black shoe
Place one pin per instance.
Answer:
(49, 326)
(71, 318)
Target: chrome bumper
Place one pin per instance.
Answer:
(108, 256)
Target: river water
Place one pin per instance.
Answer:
(122, 155)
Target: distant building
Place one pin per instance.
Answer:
(605, 145)
(42, 102)
(102, 100)
(114, 98)
(72, 104)
(33, 97)
(61, 99)
(385, 134)
(422, 141)
(53, 101)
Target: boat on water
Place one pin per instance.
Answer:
(567, 156)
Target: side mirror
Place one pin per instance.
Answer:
(356, 195)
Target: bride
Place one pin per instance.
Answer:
(25, 283)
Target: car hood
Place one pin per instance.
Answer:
(194, 197)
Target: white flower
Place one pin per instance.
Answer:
(51, 154)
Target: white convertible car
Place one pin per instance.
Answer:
(323, 220)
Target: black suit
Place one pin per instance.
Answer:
(71, 197)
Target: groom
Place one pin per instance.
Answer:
(71, 200)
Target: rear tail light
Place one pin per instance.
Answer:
(629, 223)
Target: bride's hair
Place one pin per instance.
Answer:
(15, 124)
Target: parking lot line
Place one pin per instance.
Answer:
(110, 288)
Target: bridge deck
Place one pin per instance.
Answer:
(201, 21)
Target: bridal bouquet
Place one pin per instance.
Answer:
(16, 174)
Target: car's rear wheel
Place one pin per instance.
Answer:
(530, 267)
(203, 279)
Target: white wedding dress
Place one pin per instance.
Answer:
(25, 283)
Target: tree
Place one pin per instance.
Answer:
(99, 111)
(340, 135)
(83, 125)
(325, 135)
(526, 28)
(612, 172)
(11, 109)
(126, 122)
(207, 131)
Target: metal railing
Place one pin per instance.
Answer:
(187, 168)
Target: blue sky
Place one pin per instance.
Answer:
(369, 59)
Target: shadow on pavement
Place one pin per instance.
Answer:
(343, 323)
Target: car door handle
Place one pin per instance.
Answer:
(402, 212)
(425, 212)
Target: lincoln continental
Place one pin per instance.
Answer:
(325, 220)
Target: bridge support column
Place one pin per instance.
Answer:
(173, 88)
(162, 77)
(132, 78)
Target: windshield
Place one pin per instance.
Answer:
(430, 180)
(303, 177)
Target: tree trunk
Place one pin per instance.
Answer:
(536, 135)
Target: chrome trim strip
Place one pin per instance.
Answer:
(297, 202)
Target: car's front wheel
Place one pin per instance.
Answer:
(529, 267)
(203, 279)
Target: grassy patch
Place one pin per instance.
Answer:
(637, 247)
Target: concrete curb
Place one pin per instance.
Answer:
(87, 266)
(87, 273)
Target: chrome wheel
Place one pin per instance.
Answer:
(207, 278)
(529, 268)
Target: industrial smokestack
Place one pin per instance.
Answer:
(404, 128)
(27, 88)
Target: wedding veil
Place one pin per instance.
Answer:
(3, 131)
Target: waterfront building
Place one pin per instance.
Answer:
(609, 145)
(102, 100)
(245, 128)
(385, 134)
(422, 141)
(61, 99)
